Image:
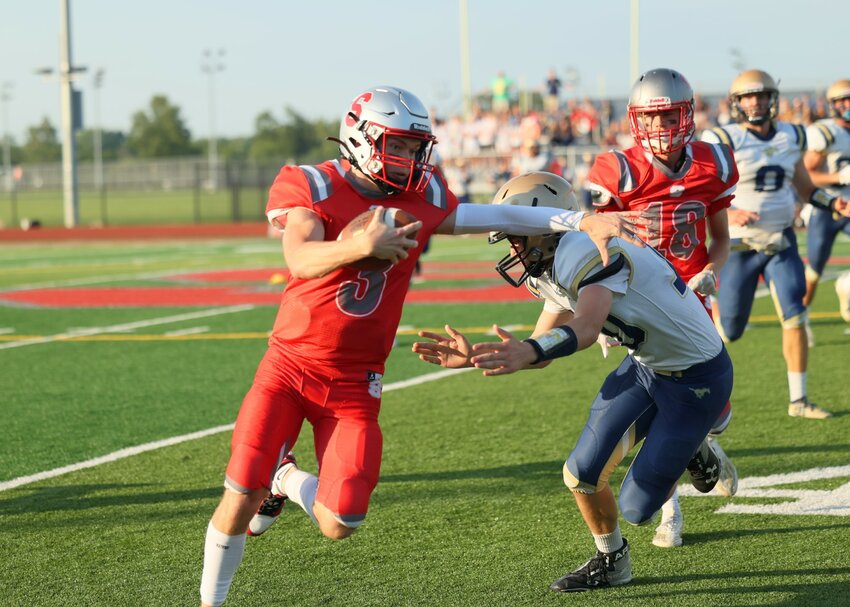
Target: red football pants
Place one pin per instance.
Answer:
(344, 416)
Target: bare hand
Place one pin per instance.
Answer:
(508, 356)
(842, 206)
(602, 227)
(382, 241)
(740, 217)
(451, 351)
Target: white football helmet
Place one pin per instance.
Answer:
(747, 83)
(375, 115)
(535, 253)
(838, 91)
(656, 91)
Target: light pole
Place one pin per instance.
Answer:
(5, 98)
(98, 138)
(212, 63)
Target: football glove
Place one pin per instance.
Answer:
(704, 283)
(844, 175)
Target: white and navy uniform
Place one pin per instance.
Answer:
(670, 388)
(768, 246)
(829, 138)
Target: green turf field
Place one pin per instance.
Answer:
(470, 511)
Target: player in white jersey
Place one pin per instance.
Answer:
(769, 158)
(828, 163)
(667, 392)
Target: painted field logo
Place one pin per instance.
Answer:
(800, 502)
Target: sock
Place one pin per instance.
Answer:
(671, 506)
(222, 555)
(609, 542)
(301, 487)
(797, 385)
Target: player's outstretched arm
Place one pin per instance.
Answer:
(602, 227)
(451, 350)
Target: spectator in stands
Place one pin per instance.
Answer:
(501, 89)
(552, 97)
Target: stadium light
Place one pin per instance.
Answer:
(5, 98)
(212, 64)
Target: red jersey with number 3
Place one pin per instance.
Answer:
(345, 322)
(673, 205)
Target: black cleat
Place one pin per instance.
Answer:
(704, 467)
(270, 509)
(602, 571)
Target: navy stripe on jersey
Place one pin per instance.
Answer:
(435, 193)
(723, 160)
(827, 134)
(627, 178)
(615, 265)
(800, 132)
(723, 136)
(319, 182)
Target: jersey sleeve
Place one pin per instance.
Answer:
(820, 138)
(290, 189)
(602, 183)
(578, 264)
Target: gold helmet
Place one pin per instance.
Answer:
(747, 83)
(534, 253)
(838, 90)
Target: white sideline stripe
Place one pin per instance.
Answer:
(176, 440)
(126, 326)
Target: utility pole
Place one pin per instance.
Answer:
(465, 78)
(69, 148)
(98, 135)
(212, 64)
(5, 98)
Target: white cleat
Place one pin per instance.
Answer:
(668, 534)
(727, 485)
(803, 408)
(269, 511)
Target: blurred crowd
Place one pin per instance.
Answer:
(502, 138)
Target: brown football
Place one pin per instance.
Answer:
(392, 217)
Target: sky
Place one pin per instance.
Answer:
(316, 56)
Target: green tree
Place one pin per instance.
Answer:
(42, 144)
(293, 140)
(160, 132)
(111, 143)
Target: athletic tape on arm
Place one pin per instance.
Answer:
(521, 221)
(554, 343)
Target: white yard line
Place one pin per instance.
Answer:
(140, 324)
(176, 440)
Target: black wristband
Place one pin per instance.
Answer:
(555, 343)
(820, 199)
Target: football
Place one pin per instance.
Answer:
(392, 217)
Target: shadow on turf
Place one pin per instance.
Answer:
(36, 500)
(512, 471)
(734, 534)
(814, 594)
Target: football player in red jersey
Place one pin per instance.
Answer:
(680, 187)
(336, 324)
